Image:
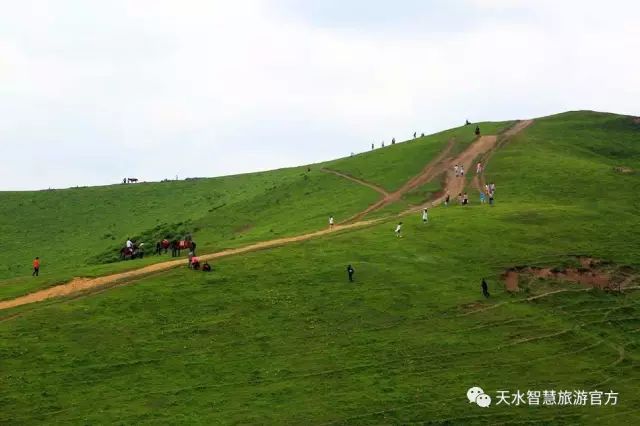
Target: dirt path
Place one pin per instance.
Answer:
(84, 284)
(356, 180)
(430, 171)
(442, 163)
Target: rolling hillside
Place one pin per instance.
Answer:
(279, 335)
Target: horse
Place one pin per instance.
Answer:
(132, 180)
(178, 245)
(162, 245)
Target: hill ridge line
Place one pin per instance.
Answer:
(441, 163)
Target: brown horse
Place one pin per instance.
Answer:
(178, 245)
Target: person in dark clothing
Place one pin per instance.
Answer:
(467, 123)
(158, 247)
(393, 141)
(477, 130)
(193, 247)
(206, 267)
(414, 135)
(350, 271)
(485, 288)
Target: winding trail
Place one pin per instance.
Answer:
(356, 180)
(443, 163)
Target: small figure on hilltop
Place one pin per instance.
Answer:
(466, 123)
(477, 130)
(393, 141)
(485, 288)
(206, 267)
(414, 134)
(373, 147)
(350, 271)
(382, 144)
(398, 230)
(36, 267)
(425, 215)
(422, 135)
(124, 180)
(331, 222)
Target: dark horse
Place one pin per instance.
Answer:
(162, 246)
(127, 253)
(132, 180)
(178, 245)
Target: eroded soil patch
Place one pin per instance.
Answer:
(592, 272)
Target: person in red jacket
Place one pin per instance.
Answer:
(36, 267)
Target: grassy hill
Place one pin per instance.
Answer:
(280, 336)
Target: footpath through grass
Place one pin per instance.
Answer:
(280, 336)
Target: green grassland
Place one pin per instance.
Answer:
(78, 232)
(393, 165)
(280, 336)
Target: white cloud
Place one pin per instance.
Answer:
(155, 88)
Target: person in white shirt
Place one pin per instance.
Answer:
(331, 222)
(455, 169)
(399, 230)
(425, 216)
(129, 243)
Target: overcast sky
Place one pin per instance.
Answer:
(93, 91)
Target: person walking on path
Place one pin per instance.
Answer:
(491, 198)
(456, 169)
(398, 230)
(478, 168)
(350, 271)
(331, 222)
(485, 288)
(465, 199)
(446, 200)
(481, 197)
(36, 267)
(425, 216)
(461, 170)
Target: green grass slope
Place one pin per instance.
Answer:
(393, 165)
(78, 232)
(279, 336)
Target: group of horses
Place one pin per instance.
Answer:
(176, 246)
(130, 180)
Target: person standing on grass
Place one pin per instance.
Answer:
(398, 230)
(492, 187)
(491, 198)
(486, 188)
(485, 288)
(478, 168)
(372, 147)
(446, 200)
(425, 216)
(331, 222)
(481, 197)
(129, 243)
(191, 256)
(350, 271)
(465, 199)
(36, 267)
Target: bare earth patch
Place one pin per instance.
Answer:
(624, 170)
(592, 273)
